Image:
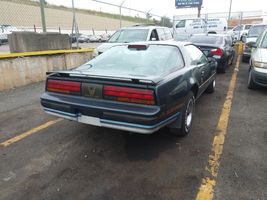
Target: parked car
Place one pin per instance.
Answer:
(200, 25)
(182, 37)
(73, 37)
(136, 87)
(221, 47)
(95, 38)
(83, 38)
(258, 63)
(135, 34)
(5, 30)
(240, 31)
(251, 38)
(104, 37)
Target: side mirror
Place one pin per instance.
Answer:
(252, 45)
(153, 39)
(244, 38)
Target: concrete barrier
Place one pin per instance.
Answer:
(23, 69)
(31, 41)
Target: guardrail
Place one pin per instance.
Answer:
(39, 53)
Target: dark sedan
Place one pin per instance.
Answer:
(139, 87)
(221, 47)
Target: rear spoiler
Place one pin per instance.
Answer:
(134, 80)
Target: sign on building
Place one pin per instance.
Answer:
(188, 3)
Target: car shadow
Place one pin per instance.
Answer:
(149, 147)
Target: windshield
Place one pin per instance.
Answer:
(129, 35)
(156, 60)
(255, 31)
(264, 42)
(206, 39)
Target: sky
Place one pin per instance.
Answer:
(166, 7)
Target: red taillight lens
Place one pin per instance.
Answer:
(65, 87)
(217, 52)
(130, 95)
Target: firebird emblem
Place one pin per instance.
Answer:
(91, 91)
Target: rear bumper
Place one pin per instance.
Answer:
(126, 117)
(131, 127)
(259, 76)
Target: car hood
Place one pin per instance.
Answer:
(105, 46)
(260, 55)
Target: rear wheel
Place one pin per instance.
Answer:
(211, 87)
(187, 117)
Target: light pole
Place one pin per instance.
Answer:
(120, 10)
(230, 9)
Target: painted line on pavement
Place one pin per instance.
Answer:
(206, 189)
(29, 132)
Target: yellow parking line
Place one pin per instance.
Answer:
(28, 133)
(208, 183)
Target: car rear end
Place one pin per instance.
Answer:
(102, 95)
(253, 33)
(211, 45)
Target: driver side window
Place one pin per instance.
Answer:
(181, 24)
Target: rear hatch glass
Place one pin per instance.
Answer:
(121, 61)
(129, 35)
(207, 39)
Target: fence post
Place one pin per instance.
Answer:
(43, 15)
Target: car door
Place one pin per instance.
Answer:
(203, 68)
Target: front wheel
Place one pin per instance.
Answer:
(251, 83)
(187, 117)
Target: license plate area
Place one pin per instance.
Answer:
(89, 120)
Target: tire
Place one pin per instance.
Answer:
(187, 117)
(251, 83)
(245, 60)
(211, 88)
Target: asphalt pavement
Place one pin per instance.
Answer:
(46, 158)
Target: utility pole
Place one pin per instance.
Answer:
(43, 15)
(230, 10)
(199, 11)
(120, 10)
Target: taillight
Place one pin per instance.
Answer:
(217, 52)
(130, 95)
(65, 87)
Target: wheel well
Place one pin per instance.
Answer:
(194, 89)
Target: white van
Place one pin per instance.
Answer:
(199, 25)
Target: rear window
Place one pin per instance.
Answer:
(255, 31)
(156, 60)
(129, 35)
(206, 39)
